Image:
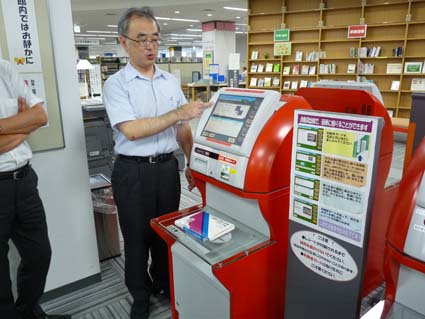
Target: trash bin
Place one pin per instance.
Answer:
(106, 223)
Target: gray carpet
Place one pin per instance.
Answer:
(110, 299)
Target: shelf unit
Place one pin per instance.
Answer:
(109, 65)
(321, 26)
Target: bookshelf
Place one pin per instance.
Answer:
(394, 31)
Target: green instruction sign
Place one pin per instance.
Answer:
(281, 35)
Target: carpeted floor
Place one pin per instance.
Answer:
(110, 299)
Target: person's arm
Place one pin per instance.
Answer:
(185, 139)
(140, 128)
(9, 142)
(26, 121)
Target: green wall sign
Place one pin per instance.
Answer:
(281, 35)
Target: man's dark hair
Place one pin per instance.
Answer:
(144, 12)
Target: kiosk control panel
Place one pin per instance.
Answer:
(227, 132)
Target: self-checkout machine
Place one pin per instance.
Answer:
(240, 161)
(405, 249)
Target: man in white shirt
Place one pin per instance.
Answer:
(22, 217)
(149, 115)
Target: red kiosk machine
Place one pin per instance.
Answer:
(241, 162)
(405, 251)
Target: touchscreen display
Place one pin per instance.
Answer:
(231, 118)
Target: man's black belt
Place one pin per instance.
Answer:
(148, 159)
(16, 174)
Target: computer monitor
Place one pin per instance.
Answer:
(366, 86)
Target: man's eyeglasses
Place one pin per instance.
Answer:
(155, 42)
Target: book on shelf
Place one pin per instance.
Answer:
(296, 69)
(394, 68)
(254, 55)
(353, 52)
(312, 70)
(253, 82)
(312, 56)
(294, 85)
(269, 67)
(298, 56)
(362, 52)
(276, 81)
(303, 83)
(204, 226)
(254, 67)
(398, 51)
(395, 85)
(260, 82)
(351, 68)
(286, 70)
(304, 69)
(267, 81)
(286, 85)
(418, 84)
(260, 68)
(276, 67)
(412, 67)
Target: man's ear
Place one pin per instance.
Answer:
(123, 42)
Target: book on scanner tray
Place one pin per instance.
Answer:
(204, 225)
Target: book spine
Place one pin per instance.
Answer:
(194, 234)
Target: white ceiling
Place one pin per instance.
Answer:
(95, 15)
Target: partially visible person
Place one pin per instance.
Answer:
(244, 74)
(149, 114)
(22, 217)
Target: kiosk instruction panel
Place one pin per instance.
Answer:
(231, 118)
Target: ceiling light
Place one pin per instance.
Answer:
(175, 19)
(112, 26)
(194, 30)
(240, 32)
(240, 24)
(236, 28)
(93, 31)
(184, 35)
(93, 35)
(238, 17)
(237, 9)
(165, 23)
(185, 20)
(77, 28)
(209, 14)
(176, 12)
(191, 25)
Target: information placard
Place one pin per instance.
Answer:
(334, 156)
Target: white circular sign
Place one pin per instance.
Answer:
(323, 255)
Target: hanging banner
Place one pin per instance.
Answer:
(22, 35)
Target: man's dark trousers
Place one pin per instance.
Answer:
(22, 219)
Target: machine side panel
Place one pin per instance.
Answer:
(198, 293)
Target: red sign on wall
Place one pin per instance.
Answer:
(357, 31)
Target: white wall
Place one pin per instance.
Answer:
(63, 174)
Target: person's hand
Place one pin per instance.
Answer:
(22, 104)
(192, 110)
(190, 179)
